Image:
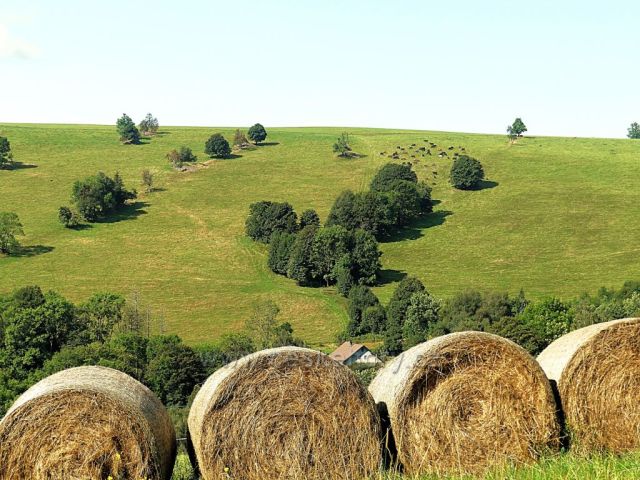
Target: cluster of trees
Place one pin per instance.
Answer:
(344, 252)
(95, 197)
(413, 315)
(395, 199)
(130, 134)
(466, 173)
(311, 254)
(218, 147)
(633, 131)
(6, 157)
(42, 333)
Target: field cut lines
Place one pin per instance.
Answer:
(202, 231)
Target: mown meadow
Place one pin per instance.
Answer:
(556, 216)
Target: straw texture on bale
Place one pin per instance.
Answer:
(285, 413)
(597, 370)
(465, 402)
(87, 423)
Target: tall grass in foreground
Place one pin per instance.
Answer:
(565, 467)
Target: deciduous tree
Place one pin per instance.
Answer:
(633, 131)
(257, 133)
(466, 173)
(217, 146)
(10, 228)
(149, 125)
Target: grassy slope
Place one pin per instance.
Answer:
(562, 219)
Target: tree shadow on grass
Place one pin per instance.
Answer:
(130, 211)
(415, 230)
(32, 251)
(389, 275)
(21, 166)
(82, 226)
(268, 144)
(486, 185)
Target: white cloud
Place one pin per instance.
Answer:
(12, 47)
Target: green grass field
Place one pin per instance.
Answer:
(566, 467)
(563, 218)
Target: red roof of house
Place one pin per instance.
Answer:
(345, 351)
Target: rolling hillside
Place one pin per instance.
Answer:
(558, 216)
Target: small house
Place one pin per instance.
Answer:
(349, 353)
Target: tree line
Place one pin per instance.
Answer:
(413, 315)
(42, 333)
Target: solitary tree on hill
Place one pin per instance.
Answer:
(10, 227)
(516, 129)
(466, 173)
(150, 125)
(257, 133)
(5, 152)
(634, 131)
(217, 146)
(128, 131)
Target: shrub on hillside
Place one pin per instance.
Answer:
(257, 133)
(342, 146)
(99, 195)
(217, 146)
(265, 218)
(68, 217)
(466, 173)
(240, 139)
(147, 180)
(174, 158)
(129, 133)
(186, 155)
(178, 157)
(149, 125)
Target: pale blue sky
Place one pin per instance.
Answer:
(566, 67)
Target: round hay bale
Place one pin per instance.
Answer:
(87, 422)
(464, 402)
(285, 413)
(597, 371)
